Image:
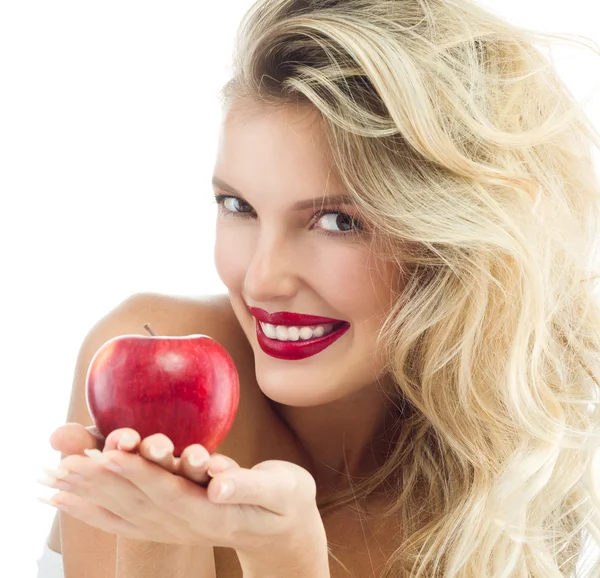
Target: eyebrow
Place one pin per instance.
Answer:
(299, 205)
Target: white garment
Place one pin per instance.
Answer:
(50, 564)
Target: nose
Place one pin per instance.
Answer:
(271, 274)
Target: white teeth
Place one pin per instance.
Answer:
(283, 333)
(269, 330)
(293, 333)
(305, 333)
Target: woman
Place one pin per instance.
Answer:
(416, 173)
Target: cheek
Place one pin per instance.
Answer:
(229, 258)
(356, 282)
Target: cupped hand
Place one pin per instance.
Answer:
(194, 462)
(271, 505)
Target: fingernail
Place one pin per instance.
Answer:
(227, 489)
(218, 465)
(96, 455)
(56, 473)
(127, 440)
(113, 467)
(62, 474)
(158, 453)
(54, 483)
(51, 503)
(196, 459)
(103, 460)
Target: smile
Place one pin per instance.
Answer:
(293, 343)
(285, 333)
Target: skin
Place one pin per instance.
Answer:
(272, 256)
(269, 511)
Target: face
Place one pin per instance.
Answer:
(279, 251)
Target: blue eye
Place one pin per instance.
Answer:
(230, 204)
(346, 224)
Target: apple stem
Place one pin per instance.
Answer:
(149, 329)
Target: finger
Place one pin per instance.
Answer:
(125, 439)
(219, 463)
(173, 494)
(73, 438)
(88, 478)
(275, 486)
(151, 479)
(93, 515)
(193, 464)
(158, 448)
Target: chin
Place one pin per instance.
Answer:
(290, 388)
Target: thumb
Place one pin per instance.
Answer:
(74, 438)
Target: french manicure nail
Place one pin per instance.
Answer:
(127, 440)
(47, 481)
(54, 483)
(103, 460)
(62, 474)
(215, 471)
(218, 465)
(227, 489)
(113, 467)
(51, 503)
(56, 473)
(96, 455)
(196, 460)
(158, 453)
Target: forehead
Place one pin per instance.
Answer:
(283, 148)
(302, 120)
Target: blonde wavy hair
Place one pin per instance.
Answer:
(462, 146)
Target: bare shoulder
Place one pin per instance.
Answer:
(208, 314)
(184, 313)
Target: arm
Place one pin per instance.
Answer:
(313, 569)
(298, 559)
(138, 559)
(290, 568)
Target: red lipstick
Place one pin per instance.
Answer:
(301, 349)
(291, 319)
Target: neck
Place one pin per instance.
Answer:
(344, 439)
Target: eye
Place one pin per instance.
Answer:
(333, 223)
(235, 205)
(344, 222)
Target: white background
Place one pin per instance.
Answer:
(108, 127)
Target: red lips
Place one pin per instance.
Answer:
(301, 349)
(291, 319)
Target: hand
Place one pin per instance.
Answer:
(272, 507)
(75, 439)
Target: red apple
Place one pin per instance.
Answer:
(185, 387)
